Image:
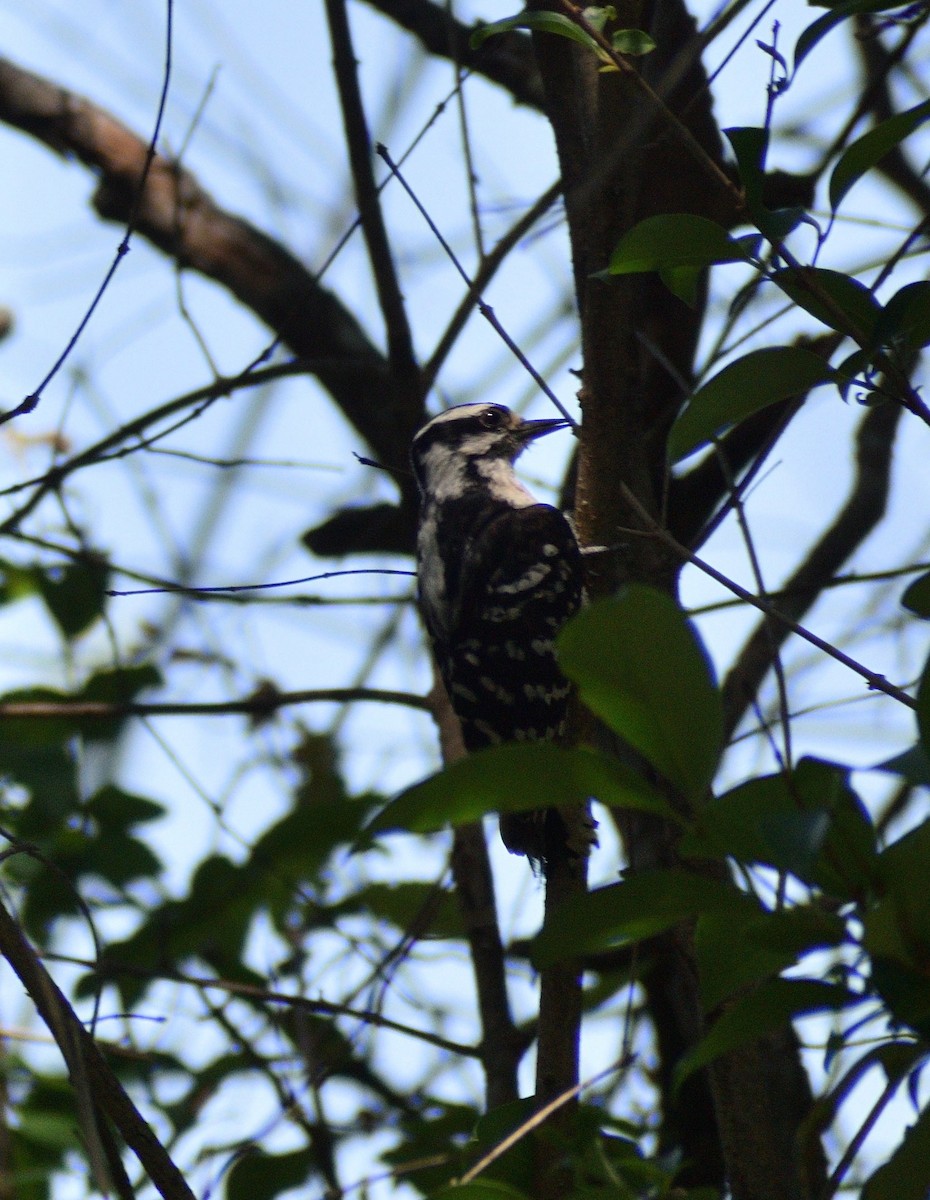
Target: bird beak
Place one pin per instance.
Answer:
(530, 430)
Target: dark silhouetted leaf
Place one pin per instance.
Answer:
(917, 596)
(742, 388)
(113, 807)
(75, 594)
(515, 778)
(641, 667)
(923, 707)
(838, 13)
(811, 824)
(871, 148)
(642, 905)
(750, 146)
(838, 300)
(897, 929)
(905, 319)
(904, 1176)
(769, 1007)
(912, 764)
(735, 949)
(259, 1176)
(674, 240)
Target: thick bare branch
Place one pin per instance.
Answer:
(501, 1044)
(178, 216)
(507, 60)
(82, 1053)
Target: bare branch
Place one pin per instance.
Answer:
(78, 1047)
(507, 60)
(358, 142)
(260, 705)
(179, 217)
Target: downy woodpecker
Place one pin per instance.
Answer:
(499, 574)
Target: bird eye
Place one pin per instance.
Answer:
(493, 418)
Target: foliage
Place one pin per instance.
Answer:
(318, 968)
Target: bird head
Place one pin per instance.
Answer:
(463, 443)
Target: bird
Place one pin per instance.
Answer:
(499, 573)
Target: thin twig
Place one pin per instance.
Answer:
(485, 309)
(875, 681)
(30, 402)
(251, 991)
(188, 590)
(487, 269)
(537, 1119)
(260, 704)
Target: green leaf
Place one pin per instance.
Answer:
(641, 667)
(750, 147)
(598, 15)
(912, 764)
(923, 707)
(541, 22)
(75, 595)
(438, 1134)
(904, 987)
(871, 148)
(515, 1167)
(515, 778)
(853, 310)
(742, 388)
(260, 1176)
(904, 1175)
(674, 240)
(632, 41)
(115, 808)
(479, 1189)
(917, 596)
(119, 686)
(683, 282)
(905, 319)
(736, 949)
(897, 929)
(815, 32)
(434, 913)
(644, 904)
(810, 823)
(769, 1007)
(54, 1130)
(210, 923)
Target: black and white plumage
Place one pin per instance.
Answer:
(499, 574)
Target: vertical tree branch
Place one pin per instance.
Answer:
(501, 1045)
(559, 1038)
(82, 1055)
(358, 143)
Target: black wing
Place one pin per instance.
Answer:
(520, 581)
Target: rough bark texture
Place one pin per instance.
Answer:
(622, 160)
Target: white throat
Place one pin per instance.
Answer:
(503, 483)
